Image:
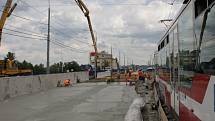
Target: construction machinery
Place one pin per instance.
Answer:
(86, 12)
(8, 67)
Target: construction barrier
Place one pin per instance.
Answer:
(17, 86)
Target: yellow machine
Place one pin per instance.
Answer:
(8, 67)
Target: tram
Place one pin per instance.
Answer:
(185, 62)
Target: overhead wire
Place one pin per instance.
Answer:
(58, 43)
(69, 3)
(62, 43)
(43, 23)
(59, 23)
(23, 36)
(21, 28)
(52, 41)
(64, 52)
(66, 46)
(69, 36)
(24, 18)
(41, 38)
(55, 42)
(105, 4)
(46, 24)
(36, 35)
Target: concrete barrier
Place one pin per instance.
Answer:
(134, 112)
(103, 74)
(17, 86)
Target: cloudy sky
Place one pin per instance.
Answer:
(131, 27)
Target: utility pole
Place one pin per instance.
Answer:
(96, 57)
(62, 60)
(5, 14)
(132, 64)
(119, 57)
(124, 60)
(48, 41)
(111, 62)
(86, 12)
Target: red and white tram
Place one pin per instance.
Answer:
(185, 62)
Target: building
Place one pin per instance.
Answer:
(103, 60)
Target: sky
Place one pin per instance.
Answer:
(131, 27)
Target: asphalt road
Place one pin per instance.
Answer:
(82, 102)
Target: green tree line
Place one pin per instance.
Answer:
(60, 67)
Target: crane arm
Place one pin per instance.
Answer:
(86, 12)
(6, 13)
(83, 7)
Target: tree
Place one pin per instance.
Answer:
(57, 68)
(39, 69)
(24, 65)
(10, 56)
(72, 66)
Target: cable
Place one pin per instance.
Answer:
(66, 46)
(24, 29)
(45, 24)
(70, 37)
(23, 32)
(59, 23)
(106, 4)
(33, 34)
(34, 8)
(28, 19)
(23, 36)
(23, 18)
(55, 42)
(73, 47)
(58, 41)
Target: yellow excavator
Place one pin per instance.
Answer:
(8, 67)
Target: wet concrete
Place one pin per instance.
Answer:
(83, 102)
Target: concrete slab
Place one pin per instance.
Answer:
(83, 102)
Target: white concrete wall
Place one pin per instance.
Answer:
(103, 74)
(134, 111)
(17, 86)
